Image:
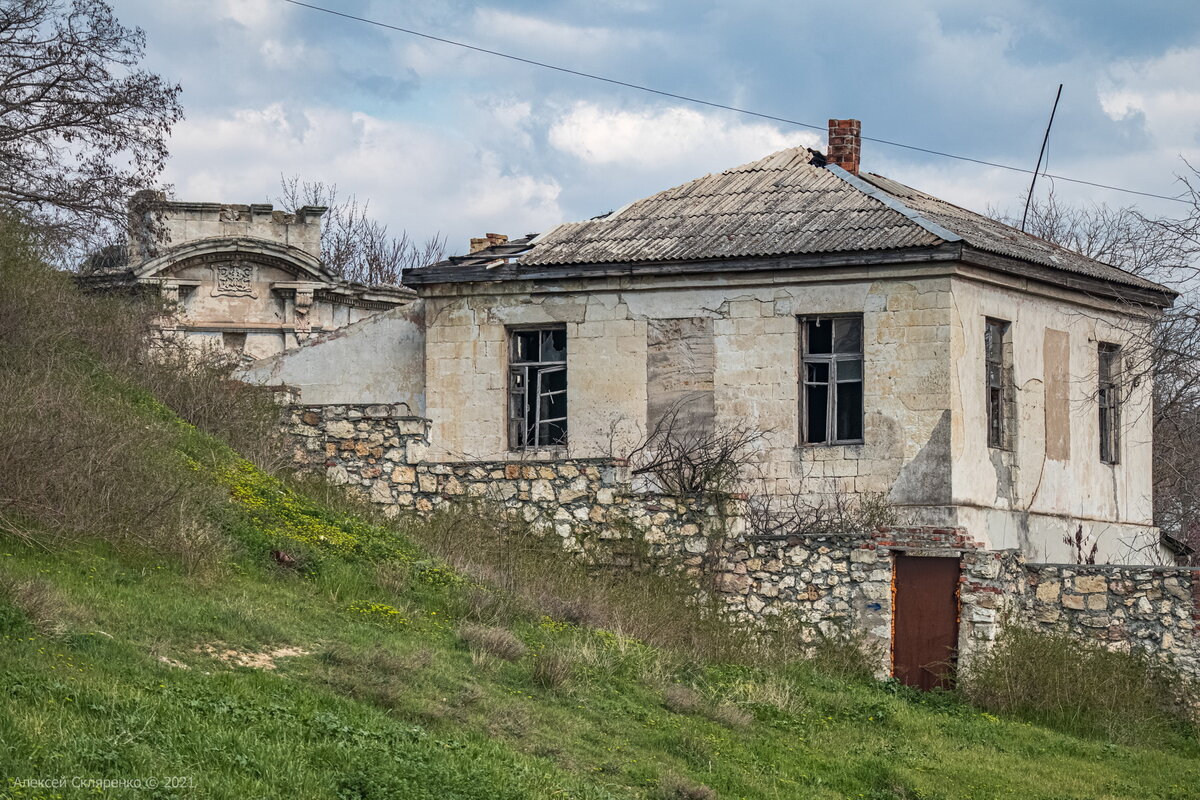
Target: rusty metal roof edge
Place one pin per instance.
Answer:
(894, 204)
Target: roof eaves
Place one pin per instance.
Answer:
(894, 204)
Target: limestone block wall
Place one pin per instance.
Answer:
(743, 351)
(589, 503)
(1152, 609)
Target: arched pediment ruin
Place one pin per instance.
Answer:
(246, 278)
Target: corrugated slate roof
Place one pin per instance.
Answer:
(786, 203)
(988, 234)
(790, 203)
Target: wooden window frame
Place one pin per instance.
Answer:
(998, 384)
(1108, 401)
(530, 374)
(832, 359)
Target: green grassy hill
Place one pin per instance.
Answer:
(359, 680)
(172, 613)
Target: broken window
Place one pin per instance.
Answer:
(1110, 402)
(832, 377)
(537, 388)
(997, 357)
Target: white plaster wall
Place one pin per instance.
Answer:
(1048, 498)
(379, 360)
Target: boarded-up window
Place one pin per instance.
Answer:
(1109, 397)
(1056, 357)
(679, 374)
(832, 380)
(537, 388)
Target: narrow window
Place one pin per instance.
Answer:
(832, 375)
(537, 388)
(996, 361)
(1110, 403)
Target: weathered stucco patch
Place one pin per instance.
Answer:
(679, 372)
(1056, 355)
(926, 478)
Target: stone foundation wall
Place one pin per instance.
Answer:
(830, 584)
(1152, 609)
(589, 504)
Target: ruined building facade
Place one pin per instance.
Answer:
(247, 279)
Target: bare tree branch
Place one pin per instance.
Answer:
(352, 244)
(81, 127)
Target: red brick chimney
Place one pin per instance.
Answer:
(487, 240)
(845, 144)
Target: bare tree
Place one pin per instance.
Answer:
(352, 244)
(685, 459)
(81, 127)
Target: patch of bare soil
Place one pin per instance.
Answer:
(263, 659)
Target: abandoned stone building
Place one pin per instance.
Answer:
(885, 344)
(245, 278)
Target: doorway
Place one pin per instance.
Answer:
(924, 620)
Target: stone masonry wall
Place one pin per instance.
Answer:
(1152, 609)
(830, 584)
(588, 503)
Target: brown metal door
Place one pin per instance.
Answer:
(925, 620)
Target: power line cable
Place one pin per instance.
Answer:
(711, 104)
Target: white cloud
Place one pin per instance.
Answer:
(1163, 92)
(415, 177)
(492, 24)
(664, 138)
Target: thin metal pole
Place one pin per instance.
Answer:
(1041, 153)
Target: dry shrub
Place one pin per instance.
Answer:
(731, 715)
(672, 786)
(492, 641)
(772, 691)
(490, 607)
(83, 449)
(47, 611)
(553, 669)
(1081, 688)
(490, 547)
(682, 700)
(393, 578)
(845, 655)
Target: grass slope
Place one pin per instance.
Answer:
(115, 664)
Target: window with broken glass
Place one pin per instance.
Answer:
(832, 373)
(995, 335)
(537, 388)
(1110, 402)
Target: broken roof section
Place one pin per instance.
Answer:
(788, 204)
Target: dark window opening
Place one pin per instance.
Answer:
(997, 369)
(537, 388)
(234, 342)
(1108, 394)
(832, 377)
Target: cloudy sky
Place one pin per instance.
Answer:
(441, 139)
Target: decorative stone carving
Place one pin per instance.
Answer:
(234, 280)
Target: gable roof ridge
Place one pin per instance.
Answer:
(894, 204)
